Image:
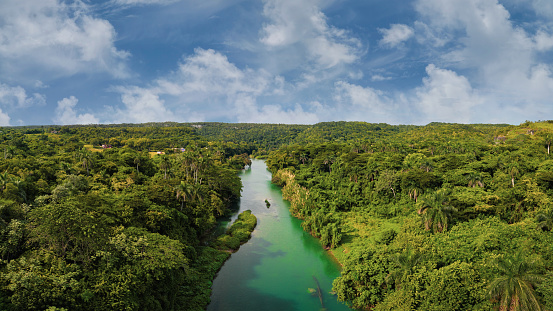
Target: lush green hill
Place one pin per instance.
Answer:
(115, 227)
(430, 218)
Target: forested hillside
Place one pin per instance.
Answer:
(440, 217)
(115, 227)
(119, 217)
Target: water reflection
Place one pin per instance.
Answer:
(275, 269)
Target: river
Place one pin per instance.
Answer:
(276, 268)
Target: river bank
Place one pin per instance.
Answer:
(276, 268)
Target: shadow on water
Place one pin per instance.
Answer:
(234, 292)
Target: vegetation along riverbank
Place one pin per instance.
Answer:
(113, 217)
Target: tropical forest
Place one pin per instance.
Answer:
(143, 216)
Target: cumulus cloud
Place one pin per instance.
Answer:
(446, 97)
(380, 78)
(207, 86)
(300, 23)
(209, 72)
(66, 114)
(502, 59)
(142, 105)
(362, 97)
(249, 111)
(543, 41)
(4, 119)
(543, 7)
(395, 35)
(361, 103)
(143, 2)
(56, 37)
(16, 96)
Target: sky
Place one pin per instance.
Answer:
(275, 61)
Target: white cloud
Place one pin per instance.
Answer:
(142, 105)
(362, 97)
(4, 119)
(249, 111)
(358, 103)
(66, 114)
(56, 37)
(543, 41)
(397, 34)
(207, 85)
(143, 2)
(17, 97)
(543, 7)
(446, 97)
(501, 59)
(380, 78)
(300, 24)
(432, 36)
(209, 72)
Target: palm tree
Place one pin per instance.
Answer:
(137, 162)
(8, 152)
(405, 264)
(328, 160)
(427, 166)
(186, 162)
(436, 211)
(414, 193)
(201, 164)
(513, 172)
(86, 157)
(514, 287)
(545, 220)
(547, 139)
(165, 165)
(4, 180)
(304, 157)
(474, 180)
(184, 192)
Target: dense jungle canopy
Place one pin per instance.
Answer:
(119, 217)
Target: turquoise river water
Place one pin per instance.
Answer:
(275, 269)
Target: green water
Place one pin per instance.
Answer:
(275, 269)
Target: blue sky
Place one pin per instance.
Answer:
(275, 61)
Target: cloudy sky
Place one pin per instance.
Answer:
(275, 61)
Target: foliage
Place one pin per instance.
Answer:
(86, 227)
(420, 217)
(238, 233)
(514, 286)
(459, 195)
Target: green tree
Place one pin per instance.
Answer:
(514, 286)
(405, 264)
(165, 165)
(137, 163)
(43, 279)
(436, 210)
(386, 180)
(513, 172)
(8, 152)
(474, 180)
(4, 180)
(85, 156)
(545, 220)
(547, 140)
(184, 191)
